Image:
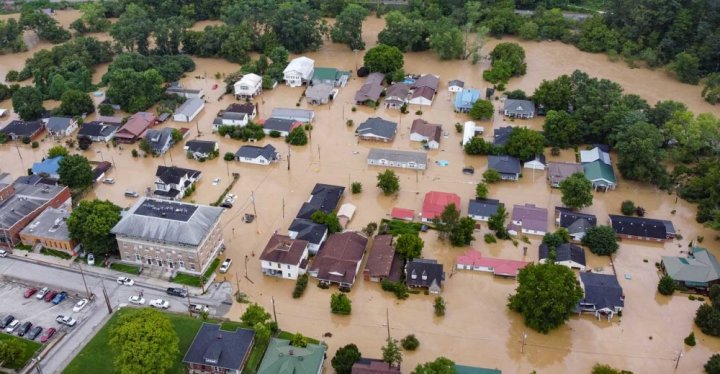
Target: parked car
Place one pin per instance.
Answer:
(34, 332)
(131, 193)
(468, 170)
(12, 326)
(137, 299)
(198, 308)
(59, 298)
(159, 303)
(109, 181)
(29, 292)
(226, 205)
(177, 291)
(6, 321)
(66, 320)
(24, 328)
(80, 305)
(125, 281)
(225, 265)
(3, 253)
(91, 259)
(50, 296)
(40, 294)
(49, 332)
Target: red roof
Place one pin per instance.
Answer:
(136, 125)
(500, 266)
(435, 202)
(402, 213)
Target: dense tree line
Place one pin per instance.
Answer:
(11, 37)
(46, 27)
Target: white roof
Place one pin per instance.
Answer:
(468, 131)
(300, 64)
(249, 79)
(594, 155)
(2, 112)
(346, 210)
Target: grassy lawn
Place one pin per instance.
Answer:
(194, 280)
(23, 247)
(287, 335)
(28, 350)
(255, 358)
(55, 253)
(398, 227)
(125, 268)
(211, 268)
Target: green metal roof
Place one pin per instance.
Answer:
(328, 74)
(462, 369)
(282, 358)
(597, 171)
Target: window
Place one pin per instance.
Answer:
(149, 261)
(137, 257)
(288, 266)
(181, 264)
(192, 266)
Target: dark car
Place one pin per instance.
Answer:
(176, 291)
(6, 321)
(50, 295)
(47, 335)
(34, 332)
(29, 292)
(59, 298)
(24, 328)
(226, 205)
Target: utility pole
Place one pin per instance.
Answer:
(107, 299)
(170, 154)
(283, 201)
(318, 153)
(274, 313)
(252, 196)
(677, 361)
(187, 293)
(237, 282)
(522, 347)
(387, 319)
(22, 162)
(197, 127)
(83, 278)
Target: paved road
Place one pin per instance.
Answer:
(96, 314)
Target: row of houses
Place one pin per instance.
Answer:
(417, 90)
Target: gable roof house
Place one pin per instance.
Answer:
(313, 233)
(382, 261)
(98, 131)
(247, 108)
(371, 90)
(323, 197)
(699, 270)
(284, 257)
(214, 350)
(435, 203)
(171, 182)
(603, 294)
(482, 209)
(397, 95)
(330, 76)
(402, 213)
(201, 149)
(474, 260)
(189, 93)
(559, 171)
(501, 135)
(456, 85)
(387, 157)
(465, 99)
(601, 175)
(373, 366)
(61, 126)
(528, 219)
(566, 254)
(537, 163)
(507, 166)
(339, 259)
(282, 358)
(47, 167)
(376, 128)
(519, 109)
(300, 115)
(188, 110)
(17, 130)
(235, 115)
(135, 127)
(320, 93)
(160, 140)
(470, 130)
(641, 228)
(424, 89)
(299, 71)
(425, 273)
(250, 85)
(251, 154)
(345, 214)
(593, 155)
(281, 125)
(576, 223)
(428, 133)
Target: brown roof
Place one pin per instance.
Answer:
(282, 249)
(559, 171)
(398, 90)
(369, 91)
(381, 257)
(372, 366)
(247, 108)
(136, 125)
(429, 130)
(338, 259)
(427, 80)
(426, 92)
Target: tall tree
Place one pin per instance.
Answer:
(57, 150)
(388, 182)
(525, 143)
(576, 191)
(297, 27)
(496, 222)
(28, 103)
(90, 223)
(601, 240)
(686, 67)
(441, 365)
(481, 109)
(409, 246)
(447, 40)
(134, 91)
(144, 341)
(132, 29)
(555, 94)
(348, 27)
(561, 129)
(639, 149)
(384, 59)
(255, 314)
(391, 353)
(75, 172)
(345, 357)
(75, 103)
(11, 353)
(405, 33)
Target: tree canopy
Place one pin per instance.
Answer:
(601, 240)
(144, 340)
(90, 223)
(348, 26)
(525, 143)
(384, 59)
(576, 191)
(409, 246)
(75, 172)
(441, 365)
(388, 182)
(391, 353)
(345, 357)
(28, 103)
(75, 103)
(481, 109)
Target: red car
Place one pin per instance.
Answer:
(47, 335)
(50, 295)
(29, 292)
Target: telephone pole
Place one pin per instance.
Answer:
(274, 313)
(84, 282)
(107, 299)
(288, 157)
(283, 207)
(522, 347)
(677, 361)
(387, 319)
(252, 197)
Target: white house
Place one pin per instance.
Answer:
(188, 110)
(284, 257)
(456, 85)
(299, 71)
(538, 163)
(528, 219)
(61, 126)
(230, 119)
(428, 133)
(251, 154)
(468, 132)
(314, 233)
(249, 85)
(171, 182)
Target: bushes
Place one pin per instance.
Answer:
(229, 156)
(410, 343)
(300, 286)
(490, 238)
(356, 187)
(690, 339)
(398, 288)
(340, 304)
(627, 208)
(439, 306)
(666, 286)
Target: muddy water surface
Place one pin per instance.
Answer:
(478, 329)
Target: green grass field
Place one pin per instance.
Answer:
(28, 350)
(194, 280)
(125, 268)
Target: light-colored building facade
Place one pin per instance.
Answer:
(397, 159)
(50, 230)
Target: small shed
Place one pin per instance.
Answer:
(346, 213)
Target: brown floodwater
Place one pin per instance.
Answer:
(478, 329)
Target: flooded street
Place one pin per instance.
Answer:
(477, 329)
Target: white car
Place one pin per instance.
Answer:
(12, 326)
(3, 253)
(225, 265)
(126, 281)
(80, 305)
(40, 294)
(91, 259)
(159, 303)
(137, 299)
(66, 320)
(109, 181)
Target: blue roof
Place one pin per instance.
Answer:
(48, 166)
(466, 98)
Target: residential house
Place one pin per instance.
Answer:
(283, 126)
(523, 109)
(559, 171)
(382, 261)
(595, 154)
(424, 89)
(109, 120)
(345, 214)
(48, 167)
(566, 254)
(324, 197)
(641, 228)
(601, 175)
(474, 260)
(339, 259)
(61, 127)
(300, 115)
(250, 85)
(507, 166)
(98, 131)
(21, 203)
(170, 236)
(501, 135)
(403, 214)
(18, 130)
(378, 129)
(397, 95)
(424, 273)
(299, 71)
(188, 110)
(465, 99)
(470, 131)
(100, 169)
(371, 90)
(320, 93)
(50, 230)
(251, 154)
(135, 127)
(284, 257)
(700, 270)
(214, 350)
(283, 358)
(160, 140)
(482, 209)
(330, 76)
(576, 223)
(189, 93)
(373, 366)
(387, 157)
(235, 115)
(435, 203)
(247, 108)
(456, 85)
(528, 219)
(603, 294)
(202, 149)
(428, 133)
(538, 163)
(172, 182)
(306, 230)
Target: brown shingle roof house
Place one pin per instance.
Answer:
(135, 127)
(422, 130)
(382, 260)
(373, 366)
(559, 171)
(339, 259)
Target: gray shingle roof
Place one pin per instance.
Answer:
(575, 222)
(173, 174)
(504, 164)
(564, 252)
(378, 127)
(200, 146)
(308, 230)
(602, 290)
(215, 347)
(419, 267)
(699, 267)
(56, 124)
(324, 197)
(94, 129)
(483, 207)
(524, 107)
(278, 124)
(397, 155)
(302, 115)
(251, 151)
(502, 135)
